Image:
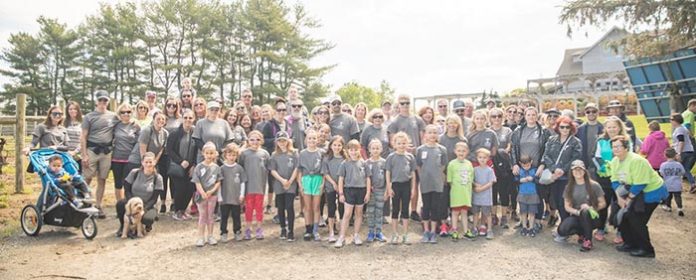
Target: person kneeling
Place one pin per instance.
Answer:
(146, 184)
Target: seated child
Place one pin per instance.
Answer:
(67, 182)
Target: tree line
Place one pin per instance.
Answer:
(129, 48)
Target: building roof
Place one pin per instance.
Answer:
(571, 66)
(601, 40)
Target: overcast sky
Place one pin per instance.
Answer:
(419, 47)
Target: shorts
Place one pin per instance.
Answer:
(528, 208)
(99, 166)
(460, 208)
(311, 184)
(485, 210)
(355, 196)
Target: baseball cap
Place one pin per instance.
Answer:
(213, 104)
(102, 94)
(282, 135)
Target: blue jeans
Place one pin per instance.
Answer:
(687, 160)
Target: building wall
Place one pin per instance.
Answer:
(601, 59)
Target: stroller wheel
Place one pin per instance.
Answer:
(31, 220)
(89, 228)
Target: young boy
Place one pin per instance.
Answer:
(527, 197)
(431, 159)
(672, 171)
(67, 182)
(375, 207)
(460, 176)
(484, 178)
(231, 193)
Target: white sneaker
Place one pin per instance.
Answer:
(559, 238)
(666, 208)
(332, 238)
(356, 240)
(212, 241)
(200, 242)
(339, 243)
(223, 238)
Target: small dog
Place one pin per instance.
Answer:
(133, 218)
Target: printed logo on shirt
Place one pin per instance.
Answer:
(211, 180)
(464, 175)
(290, 164)
(362, 171)
(236, 178)
(150, 187)
(488, 143)
(424, 155)
(317, 163)
(340, 125)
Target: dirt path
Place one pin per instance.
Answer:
(168, 252)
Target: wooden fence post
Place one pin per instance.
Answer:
(19, 142)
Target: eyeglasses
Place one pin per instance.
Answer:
(496, 116)
(297, 106)
(171, 105)
(281, 110)
(591, 112)
(200, 105)
(142, 108)
(125, 112)
(57, 114)
(563, 127)
(335, 103)
(378, 117)
(404, 103)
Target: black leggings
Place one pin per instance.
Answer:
(148, 218)
(677, 199)
(331, 198)
(286, 210)
(401, 199)
(557, 189)
(431, 206)
(225, 211)
(634, 228)
(120, 172)
(184, 192)
(163, 168)
(609, 197)
(582, 225)
(503, 192)
(544, 193)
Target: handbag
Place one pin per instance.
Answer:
(176, 170)
(547, 176)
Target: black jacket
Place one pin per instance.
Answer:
(173, 143)
(516, 140)
(554, 147)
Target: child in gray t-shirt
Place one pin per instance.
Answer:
(375, 206)
(482, 199)
(231, 192)
(283, 166)
(207, 176)
(431, 159)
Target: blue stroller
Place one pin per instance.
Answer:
(53, 206)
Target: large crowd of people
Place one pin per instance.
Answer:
(464, 173)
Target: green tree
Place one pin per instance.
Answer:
(352, 93)
(25, 69)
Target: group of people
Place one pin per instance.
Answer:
(468, 169)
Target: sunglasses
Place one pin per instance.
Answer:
(296, 106)
(591, 112)
(171, 105)
(442, 106)
(496, 116)
(347, 111)
(378, 117)
(554, 116)
(441, 121)
(336, 103)
(459, 111)
(404, 103)
(186, 96)
(213, 109)
(199, 104)
(563, 127)
(142, 108)
(322, 113)
(246, 96)
(56, 114)
(281, 110)
(125, 112)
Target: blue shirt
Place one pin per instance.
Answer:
(528, 187)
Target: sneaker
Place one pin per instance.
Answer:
(618, 240)
(276, 220)
(681, 213)
(332, 238)
(100, 214)
(370, 237)
(538, 227)
(322, 223)
(356, 240)
(291, 237)
(433, 238)
(495, 220)
(186, 217)
(177, 216)
(552, 220)
(217, 218)
(504, 222)
(426, 237)
(283, 234)
(394, 240)
(200, 242)
(247, 234)
(238, 236)
(317, 237)
(259, 234)
(599, 235)
(163, 209)
(268, 209)
(469, 235)
(171, 207)
(307, 236)
(301, 215)
(444, 231)
(546, 215)
(223, 238)
(489, 235)
(415, 217)
(404, 240)
(586, 245)
(380, 237)
(339, 243)
(559, 238)
(517, 225)
(532, 232)
(692, 189)
(212, 241)
(482, 230)
(455, 235)
(666, 208)
(524, 232)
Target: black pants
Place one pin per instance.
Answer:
(148, 218)
(120, 172)
(557, 189)
(634, 228)
(609, 197)
(432, 202)
(582, 225)
(544, 192)
(286, 210)
(677, 199)
(163, 168)
(331, 198)
(401, 199)
(225, 211)
(184, 192)
(502, 191)
(69, 189)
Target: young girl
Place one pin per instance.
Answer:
(484, 178)
(375, 207)
(207, 178)
(431, 159)
(527, 197)
(460, 176)
(311, 181)
(353, 190)
(255, 163)
(401, 172)
(331, 165)
(283, 167)
(231, 193)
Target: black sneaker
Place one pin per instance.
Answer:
(291, 237)
(415, 216)
(101, 214)
(681, 213)
(283, 234)
(163, 208)
(307, 236)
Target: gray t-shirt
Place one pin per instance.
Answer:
(375, 170)
(186, 145)
(343, 125)
(297, 132)
(400, 166)
(411, 125)
(504, 134)
(481, 139)
(529, 144)
(172, 124)
(581, 196)
(255, 164)
(285, 164)
(371, 132)
(483, 175)
(591, 139)
(74, 134)
(154, 140)
(217, 131)
(432, 162)
(239, 137)
(207, 176)
(332, 168)
(310, 162)
(46, 137)
(353, 173)
(144, 186)
(125, 137)
(688, 146)
(450, 144)
(233, 176)
(100, 126)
